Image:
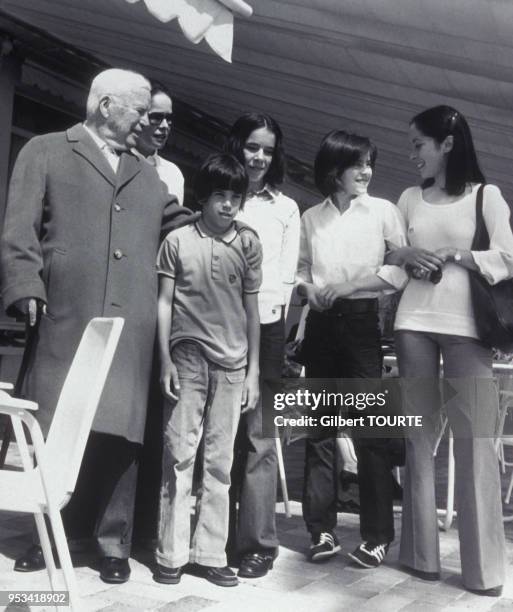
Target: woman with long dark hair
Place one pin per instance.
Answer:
(437, 319)
(256, 141)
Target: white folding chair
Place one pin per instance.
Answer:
(502, 440)
(45, 488)
(278, 441)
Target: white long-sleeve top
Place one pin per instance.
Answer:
(275, 217)
(446, 307)
(336, 248)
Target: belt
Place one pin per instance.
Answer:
(343, 306)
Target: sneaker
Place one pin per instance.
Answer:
(324, 546)
(369, 555)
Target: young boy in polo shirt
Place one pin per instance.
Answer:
(208, 331)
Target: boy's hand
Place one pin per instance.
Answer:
(250, 392)
(169, 381)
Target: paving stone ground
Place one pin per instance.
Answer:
(294, 585)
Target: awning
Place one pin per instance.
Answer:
(363, 65)
(211, 20)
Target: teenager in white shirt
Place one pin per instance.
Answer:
(256, 141)
(438, 319)
(341, 272)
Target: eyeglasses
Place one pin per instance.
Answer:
(158, 118)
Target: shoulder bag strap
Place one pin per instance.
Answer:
(481, 241)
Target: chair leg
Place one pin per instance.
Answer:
(6, 440)
(397, 473)
(283, 478)
(449, 513)
(61, 545)
(46, 545)
(510, 489)
(443, 427)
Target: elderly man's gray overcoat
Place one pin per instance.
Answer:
(84, 240)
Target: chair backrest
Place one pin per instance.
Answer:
(78, 402)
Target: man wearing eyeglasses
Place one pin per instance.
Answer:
(153, 139)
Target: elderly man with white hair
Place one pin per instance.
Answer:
(82, 229)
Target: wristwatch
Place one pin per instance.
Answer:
(457, 257)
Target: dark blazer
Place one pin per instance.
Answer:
(84, 240)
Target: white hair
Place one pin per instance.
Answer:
(113, 81)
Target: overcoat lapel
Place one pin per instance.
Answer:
(129, 167)
(85, 146)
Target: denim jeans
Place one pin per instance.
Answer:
(210, 402)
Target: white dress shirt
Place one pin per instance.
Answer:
(170, 174)
(275, 217)
(336, 248)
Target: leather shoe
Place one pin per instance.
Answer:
(31, 561)
(222, 576)
(429, 576)
(256, 565)
(114, 570)
(167, 575)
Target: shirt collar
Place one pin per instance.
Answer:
(153, 159)
(100, 143)
(359, 201)
(267, 192)
(227, 237)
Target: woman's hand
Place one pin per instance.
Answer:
(418, 273)
(330, 293)
(446, 253)
(414, 257)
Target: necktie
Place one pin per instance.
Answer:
(112, 156)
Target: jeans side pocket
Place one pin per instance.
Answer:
(236, 376)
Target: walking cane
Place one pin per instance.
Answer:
(30, 336)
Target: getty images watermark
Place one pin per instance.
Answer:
(378, 408)
(360, 404)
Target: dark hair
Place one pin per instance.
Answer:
(339, 151)
(157, 87)
(240, 132)
(462, 165)
(220, 171)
